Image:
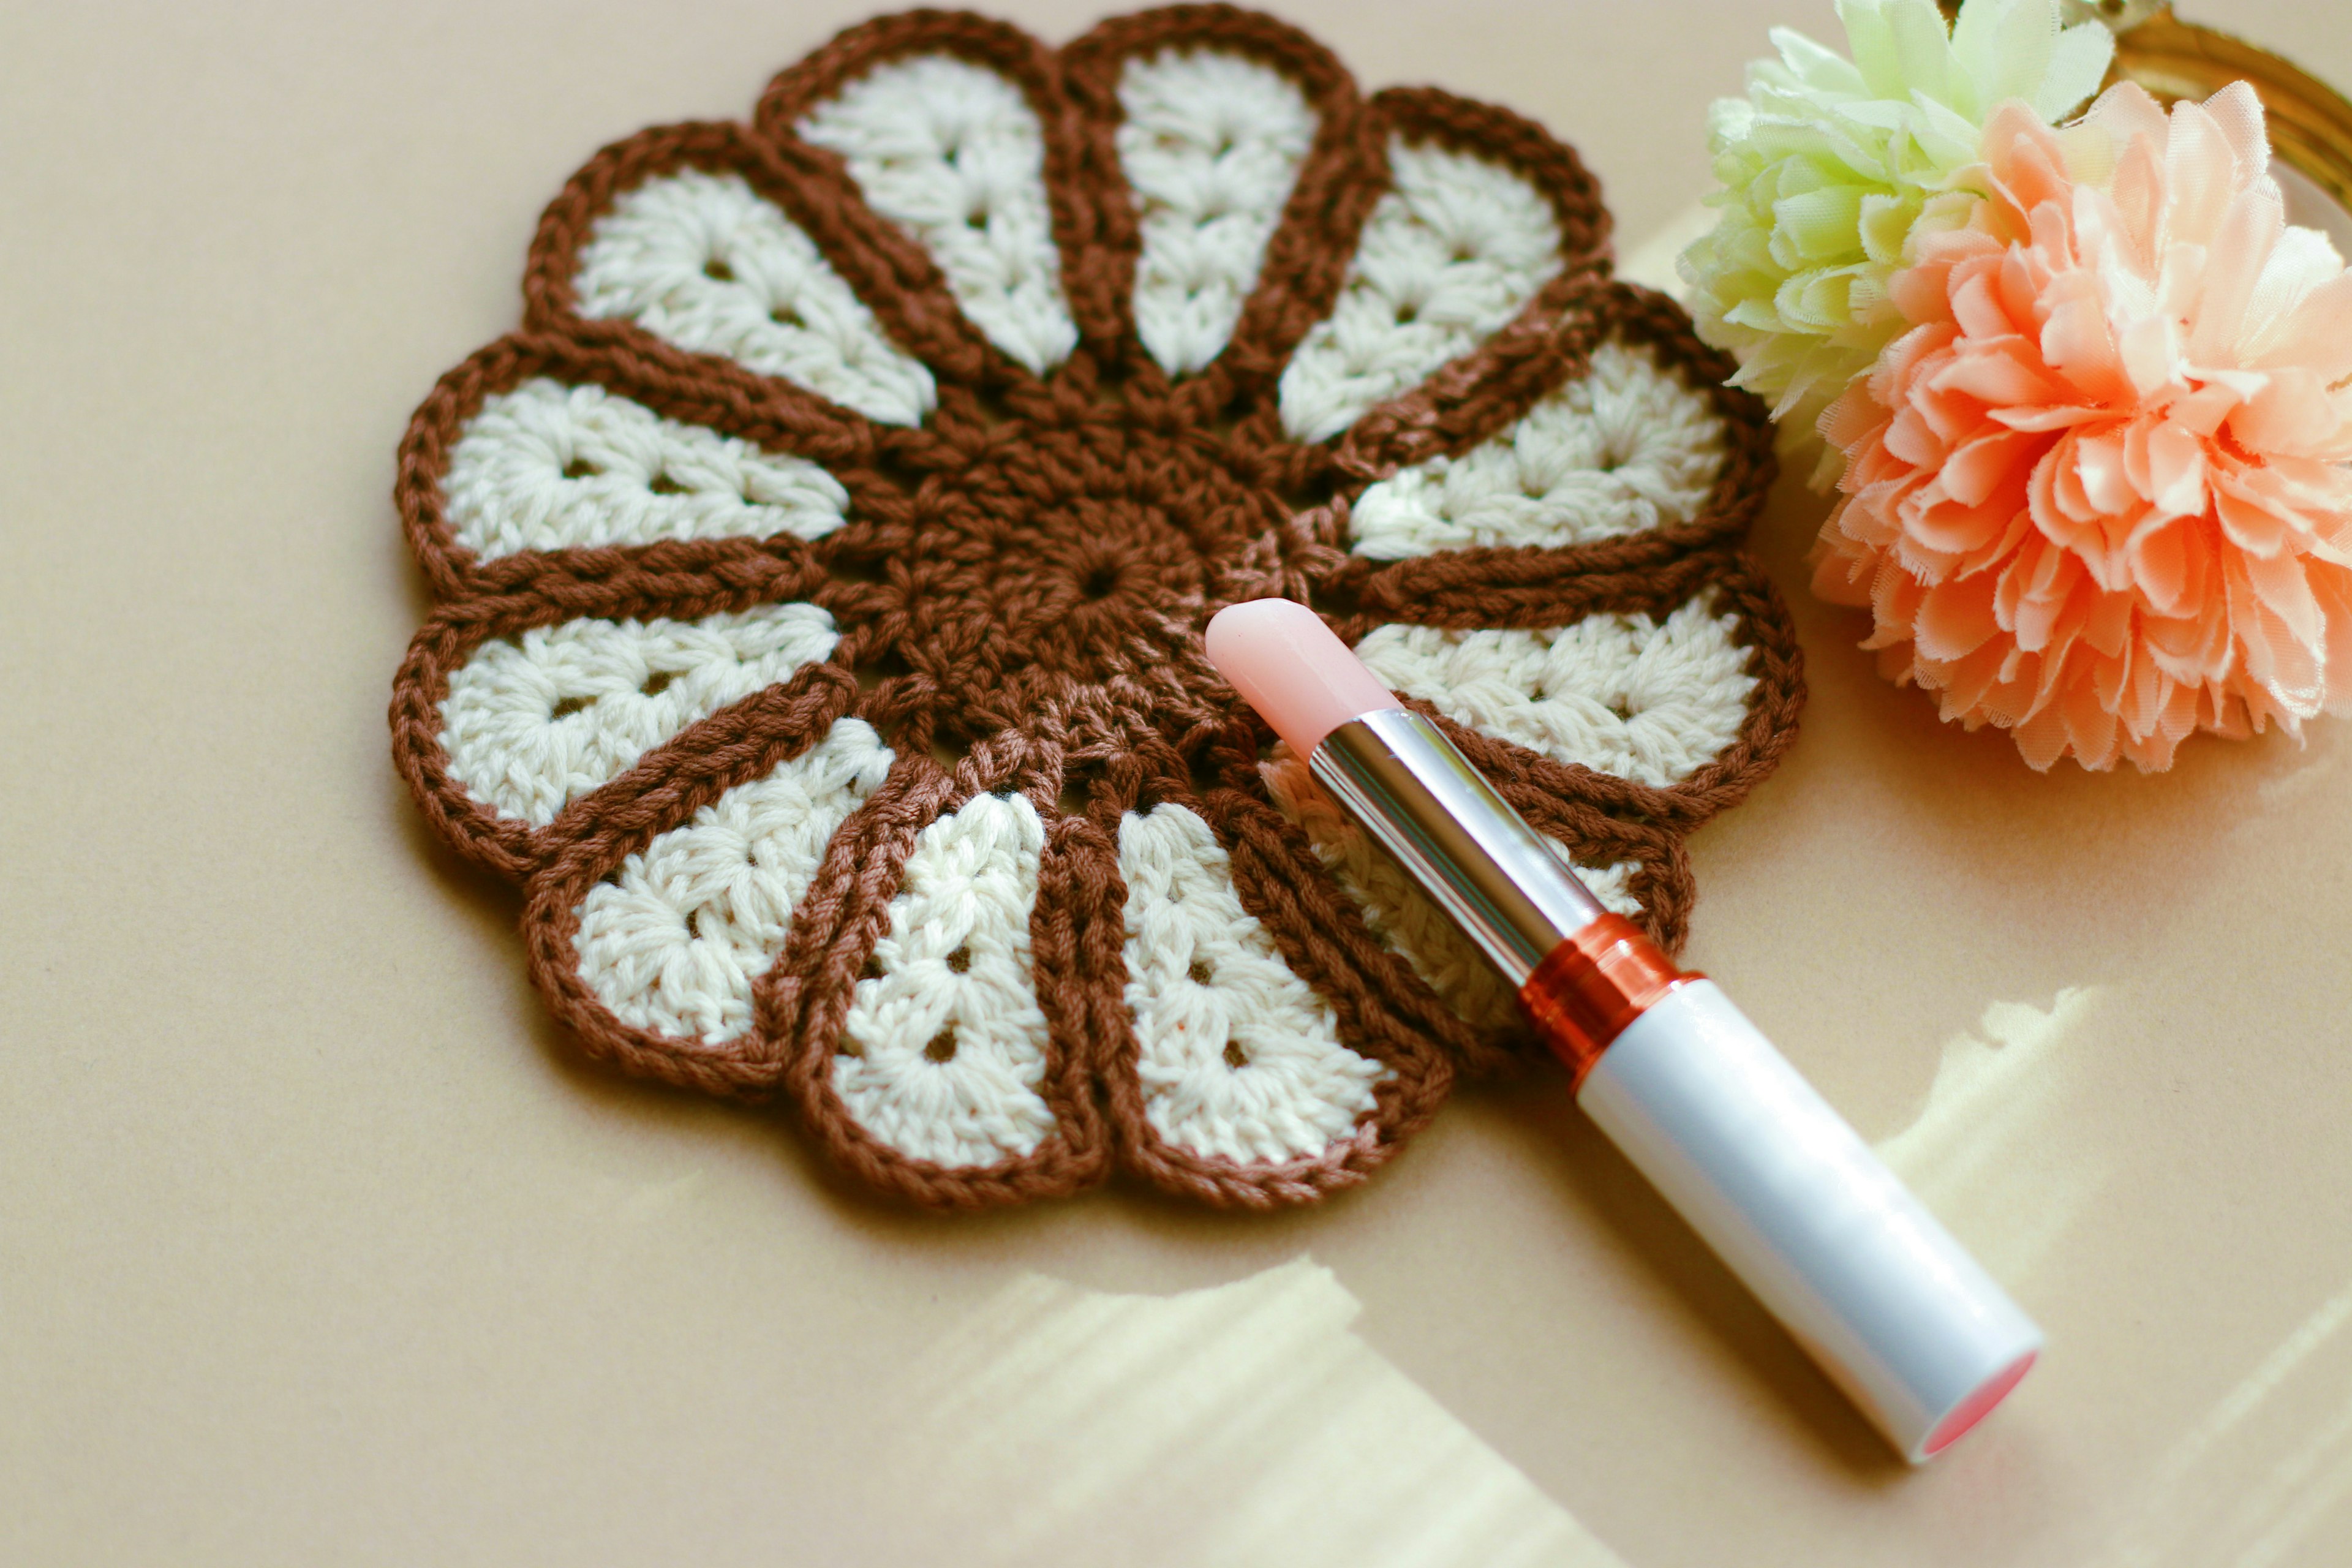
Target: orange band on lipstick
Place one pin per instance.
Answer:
(1597, 981)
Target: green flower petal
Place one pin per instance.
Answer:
(1830, 164)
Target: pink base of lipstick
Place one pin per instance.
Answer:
(1903, 1320)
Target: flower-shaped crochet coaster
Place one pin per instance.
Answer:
(822, 572)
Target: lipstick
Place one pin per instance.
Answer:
(1916, 1333)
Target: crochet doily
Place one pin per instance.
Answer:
(821, 573)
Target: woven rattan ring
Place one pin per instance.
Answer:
(821, 572)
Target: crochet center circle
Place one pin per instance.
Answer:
(820, 573)
(1063, 562)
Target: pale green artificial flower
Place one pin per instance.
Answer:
(1829, 165)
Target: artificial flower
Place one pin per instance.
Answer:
(1829, 165)
(2097, 494)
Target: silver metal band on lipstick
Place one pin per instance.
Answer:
(1501, 880)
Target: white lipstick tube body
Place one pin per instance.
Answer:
(1918, 1334)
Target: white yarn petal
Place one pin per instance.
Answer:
(1211, 146)
(1447, 257)
(1238, 1056)
(1630, 446)
(1651, 700)
(674, 941)
(943, 1054)
(537, 720)
(703, 261)
(551, 467)
(1400, 916)
(951, 153)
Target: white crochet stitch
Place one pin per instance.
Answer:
(536, 720)
(1398, 912)
(1238, 1058)
(551, 467)
(1650, 700)
(1632, 446)
(703, 261)
(673, 942)
(943, 1054)
(1447, 259)
(951, 153)
(1210, 144)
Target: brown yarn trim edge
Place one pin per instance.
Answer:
(773, 416)
(590, 838)
(679, 580)
(885, 269)
(1496, 135)
(1765, 630)
(1450, 417)
(804, 999)
(1481, 395)
(1504, 136)
(1322, 938)
(1337, 182)
(998, 47)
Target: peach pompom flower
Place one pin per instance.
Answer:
(2097, 494)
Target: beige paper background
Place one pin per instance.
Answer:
(317, 1246)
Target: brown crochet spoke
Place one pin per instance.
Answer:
(1381, 1008)
(808, 998)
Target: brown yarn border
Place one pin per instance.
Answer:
(885, 267)
(1428, 114)
(679, 580)
(1548, 599)
(775, 417)
(803, 1000)
(923, 307)
(589, 841)
(1341, 178)
(1368, 987)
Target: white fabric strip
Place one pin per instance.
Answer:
(551, 467)
(703, 261)
(1630, 446)
(673, 942)
(1447, 257)
(535, 721)
(1238, 1056)
(1651, 700)
(1211, 146)
(1397, 912)
(952, 153)
(943, 1054)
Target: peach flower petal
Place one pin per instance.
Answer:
(2097, 494)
